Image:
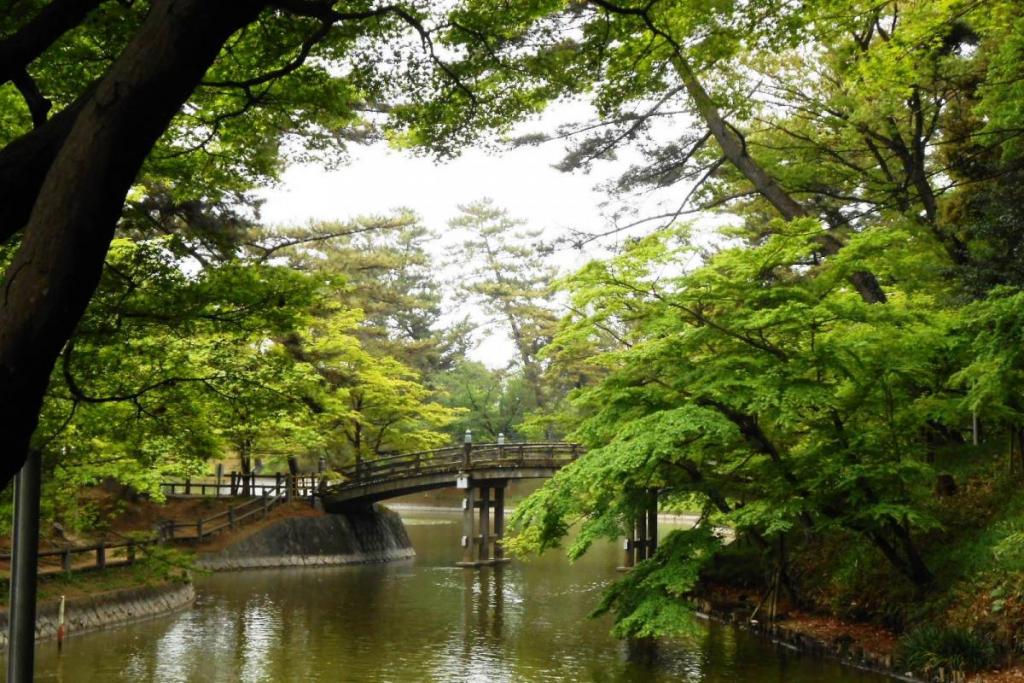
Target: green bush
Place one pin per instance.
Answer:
(158, 563)
(931, 646)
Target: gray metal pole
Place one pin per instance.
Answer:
(21, 634)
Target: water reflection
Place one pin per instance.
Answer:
(414, 622)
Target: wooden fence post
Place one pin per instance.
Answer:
(131, 552)
(65, 560)
(101, 555)
(231, 517)
(199, 529)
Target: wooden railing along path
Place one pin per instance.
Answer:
(103, 554)
(235, 484)
(204, 527)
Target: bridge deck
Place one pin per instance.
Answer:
(398, 475)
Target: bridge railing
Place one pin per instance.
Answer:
(454, 458)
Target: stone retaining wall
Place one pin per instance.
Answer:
(359, 537)
(106, 610)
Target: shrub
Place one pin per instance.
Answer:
(932, 646)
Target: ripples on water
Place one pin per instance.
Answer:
(412, 622)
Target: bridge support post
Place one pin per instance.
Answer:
(485, 524)
(629, 549)
(468, 531)
(652, 521)
(499, 521)
(642, 533)
(477, 535)
(641, 537)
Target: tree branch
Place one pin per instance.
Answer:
(24, 46)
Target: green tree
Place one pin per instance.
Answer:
(502, 268)
(493, 400)
(384, 270)
(167, 369)
(779, 401)
(370, 405)
(187, 96)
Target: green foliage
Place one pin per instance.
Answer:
(649, 602)
(934, 646)
(502, 271)
(161, 563)
(494, 401)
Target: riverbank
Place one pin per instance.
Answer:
(110, 609)
(158, 582)
(861, 646)
(857, 645)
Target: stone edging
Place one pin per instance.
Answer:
(219, 564)
(116, 608)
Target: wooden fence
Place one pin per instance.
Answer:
(236, 484)
(204, 527)
(101, 553)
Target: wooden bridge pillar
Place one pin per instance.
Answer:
(640, 524)
(485, 524)
(642, 533)
(499, 521)
(477, 535)
(652, 521)
(468, 529)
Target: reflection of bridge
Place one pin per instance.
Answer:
(480, 469)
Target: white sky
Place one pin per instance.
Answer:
(522, 180)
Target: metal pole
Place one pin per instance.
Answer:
(21, 634)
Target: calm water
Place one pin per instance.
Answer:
(413, 622)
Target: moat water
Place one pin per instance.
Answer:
(417, 621)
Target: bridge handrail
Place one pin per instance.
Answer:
(392, 465)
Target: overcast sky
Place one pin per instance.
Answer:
(522, 180)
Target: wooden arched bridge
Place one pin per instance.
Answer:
(399, 475)
(482, 470)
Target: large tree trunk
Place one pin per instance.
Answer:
(25, 162)
(49, 283)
